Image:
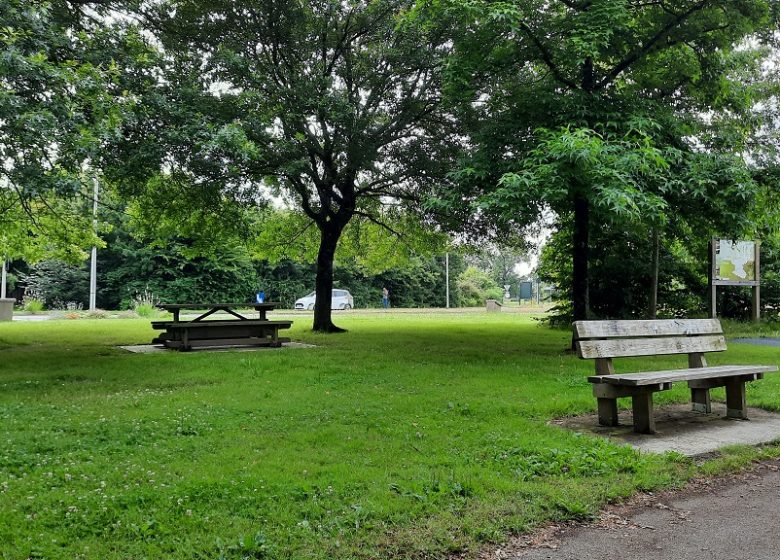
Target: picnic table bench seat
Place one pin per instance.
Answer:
(605, 340)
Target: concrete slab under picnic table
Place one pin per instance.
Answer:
(684, 431)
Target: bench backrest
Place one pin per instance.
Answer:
(616, 339)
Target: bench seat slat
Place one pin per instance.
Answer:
(243, 341)
(626, 347)
(656, 377)
(655, 327)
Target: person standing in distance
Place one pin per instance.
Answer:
(385, 298)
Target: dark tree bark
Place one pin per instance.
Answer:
(323, 284)
(580, 243)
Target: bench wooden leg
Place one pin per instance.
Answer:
(701, 400)
(736, 405)
(642, 404)
(608, 414)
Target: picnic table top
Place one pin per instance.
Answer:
(253, 305)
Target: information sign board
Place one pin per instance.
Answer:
(734, 263)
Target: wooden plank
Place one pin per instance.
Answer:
(255, 341)
(230, 323)
(655, 377)
(177, 344)
(620, 347)
(655, 327)
(607, 391)
(721, 381)
(226, 332)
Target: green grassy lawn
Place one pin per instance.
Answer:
(412, 435)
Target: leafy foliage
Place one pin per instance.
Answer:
(58, 109)
(613, 114)
(57, 281)
(475, 286)
(172, 274)
(331, 106)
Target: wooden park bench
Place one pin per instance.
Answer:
(605, 340)
(237, 331)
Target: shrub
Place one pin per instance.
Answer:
(66, 305)
(476, 286)
(98, 314)
(57, 281)
(32, 301)
(127, 314)
(145, 304)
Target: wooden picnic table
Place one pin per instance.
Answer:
(237, 331)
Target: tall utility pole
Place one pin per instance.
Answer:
(3, 282)
(447, 276)
(93, 263)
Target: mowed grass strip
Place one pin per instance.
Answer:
(413, 435)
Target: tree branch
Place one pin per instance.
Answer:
(651, 44)
(547, 57)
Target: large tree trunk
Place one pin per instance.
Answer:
(580, 242)
(323, 285)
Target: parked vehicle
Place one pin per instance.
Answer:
(340, 299)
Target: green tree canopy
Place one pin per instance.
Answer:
(332, 106)
(61, 103)
(608, 112)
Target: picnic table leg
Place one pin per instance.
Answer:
(642, 404)
(171, 338)
(736, 405)
(275, 337)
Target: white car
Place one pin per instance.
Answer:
(340, 299)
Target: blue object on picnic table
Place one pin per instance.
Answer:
(261, 296)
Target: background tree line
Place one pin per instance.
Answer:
(172, 272)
